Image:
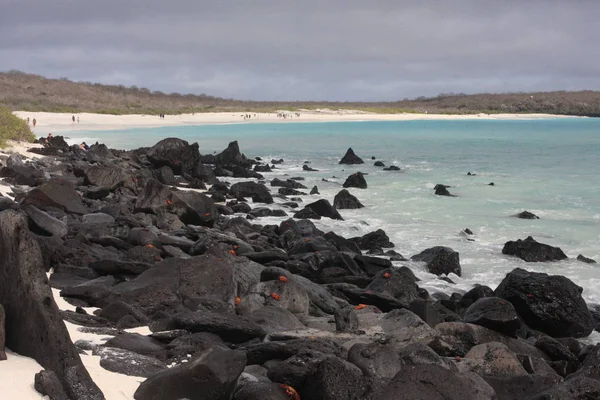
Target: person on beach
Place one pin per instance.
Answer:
(83, 146)
(34, 122)
(77, 119)
(27, 120)
(73, 118)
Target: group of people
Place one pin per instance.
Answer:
(161, 116)
(248, 116)
(34, 122)
(287, 115)
(73, 119)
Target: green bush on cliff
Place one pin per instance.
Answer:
(13, 128)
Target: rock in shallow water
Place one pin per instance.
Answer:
(532, 251)
(440, 260)
(351, 158)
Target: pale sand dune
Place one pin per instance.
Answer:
(61, 122)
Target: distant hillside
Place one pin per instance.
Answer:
(27, 92)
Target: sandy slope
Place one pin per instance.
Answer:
(57, 122)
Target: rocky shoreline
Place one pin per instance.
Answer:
(240, 310)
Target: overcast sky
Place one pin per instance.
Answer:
(308, 49)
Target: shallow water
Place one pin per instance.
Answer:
(549, 167)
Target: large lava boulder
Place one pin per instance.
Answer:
(344, 200)
(440, 260)
(373, 240)
(191, 207)
(356, 180)
(34, 326)
(109, 177)
(351, 158)
(548, 303)
(259, 193)
(442, 190)
(56, 193)
(532, 251)
(211, 376)
(434, 382)
(175, 153)
(324, 209)
(494, 313)
(232, 156)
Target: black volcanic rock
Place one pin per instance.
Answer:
(532, 251)
(527, 215)
(105, 176)
(442, 190)
(494, 313)
(373, 240)
(232, 156)
(34, 326)
(586, 260)
(351, 158)
(213, 375)
(259, 193)
(324, 209)
(56, 193)
(175, 153)
(356, 180)
(344, 200)
(440, 260)
(548, 303)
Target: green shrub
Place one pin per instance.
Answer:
(13, 128)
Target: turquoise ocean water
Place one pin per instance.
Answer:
(549, 167)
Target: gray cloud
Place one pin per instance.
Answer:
(309, 50)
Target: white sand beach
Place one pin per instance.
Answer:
(62, 122)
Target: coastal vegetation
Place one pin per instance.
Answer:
(13, 128)
(28, 92)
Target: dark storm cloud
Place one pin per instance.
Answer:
(300, 50)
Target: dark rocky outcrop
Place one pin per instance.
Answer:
(175, 153)
(373, 240)
(495, 314)
(344, 200)
(548, 303)
(351, 158)
(356, 180)
(440, 260)
(526, 215)
(257, 192)
(55, 194)
(442, 190)
(212, 376)
(434, 382)
(324, 208)
(34, 326)
(2, 333)
(532, 251)
(105, 176)
(585, 259)
(47, 384)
